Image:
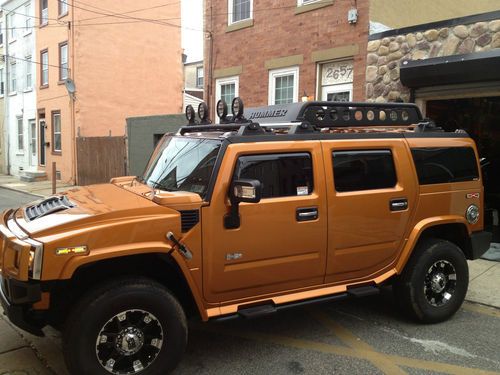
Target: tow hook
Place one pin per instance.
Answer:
(180, 247)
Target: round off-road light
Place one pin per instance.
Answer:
(190, 114)
(221, 109)
(203, 112)
(472, 214)
(237, 107)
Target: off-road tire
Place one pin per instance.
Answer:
(409, 287)
(88, 317)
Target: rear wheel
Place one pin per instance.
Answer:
(434, 282)
(129, 326)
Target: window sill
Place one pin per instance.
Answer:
(1, 96)
(20, 153)
(12, 93)
(28, 90)
(12, 41)
(27, 33)
(42, 87)
(239, 25)
(56, 153)
(43, 24)
(62, 15)
(313, 6)
(61, 81)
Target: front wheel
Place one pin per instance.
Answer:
(434, 282)
(128, 326)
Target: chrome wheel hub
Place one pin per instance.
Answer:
(440, 283)
(129, 342)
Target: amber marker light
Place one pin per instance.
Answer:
(76, 250)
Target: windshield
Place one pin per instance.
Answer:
(182, 164)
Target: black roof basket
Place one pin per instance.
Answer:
(317, 115)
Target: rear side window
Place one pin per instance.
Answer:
(281, 175)
(363, 170)
(445, 164)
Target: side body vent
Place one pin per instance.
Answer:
(47, 207)
(189, 218)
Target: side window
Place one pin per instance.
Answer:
(356, 170)
(445, 164)
(281, 175)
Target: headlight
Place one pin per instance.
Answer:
(472, 214)
(36, 257)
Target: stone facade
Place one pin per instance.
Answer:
(385, 55)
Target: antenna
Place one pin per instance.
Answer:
(70, 86)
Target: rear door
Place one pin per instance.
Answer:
(371, 193)
(281, 242)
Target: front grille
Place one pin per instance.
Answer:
(189, 218)
(48, 206)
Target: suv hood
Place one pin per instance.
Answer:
(106, 201)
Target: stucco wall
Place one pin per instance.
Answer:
(386, 54)
(397, 13)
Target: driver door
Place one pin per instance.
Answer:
(275, 248)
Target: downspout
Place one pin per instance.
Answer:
(6, 96)
(73, 99)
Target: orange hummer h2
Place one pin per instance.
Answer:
(272, 208)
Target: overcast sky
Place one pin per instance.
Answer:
(192, 25)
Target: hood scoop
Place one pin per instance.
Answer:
(48, 206)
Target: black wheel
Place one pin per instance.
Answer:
(434, 282)
(128, 326)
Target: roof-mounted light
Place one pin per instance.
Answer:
(237, 108)
(190, 114)
(203, 112)
(222, 109)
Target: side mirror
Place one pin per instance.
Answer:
(243, 190)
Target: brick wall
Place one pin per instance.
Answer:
(278, 32)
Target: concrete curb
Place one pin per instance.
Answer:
(21, 191)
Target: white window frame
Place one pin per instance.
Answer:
(13, 77)
(225, 81)
(275, 73)
(20, 135)
(29, 73)
(44, 68)
(198, 76)
(306, 2)
(63, 61)
(28, 21)
(62, 8)
(56, 133)
(230, 8)
(11, 26)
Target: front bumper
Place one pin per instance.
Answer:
(480, 243)
(17, 298)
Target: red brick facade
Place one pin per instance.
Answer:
(278, 32)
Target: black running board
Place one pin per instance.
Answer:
(268, 308)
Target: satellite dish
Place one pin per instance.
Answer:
(70, 86)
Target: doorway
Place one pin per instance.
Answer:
(42, 126)
(480, 117)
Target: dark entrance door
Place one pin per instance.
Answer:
(480, 117)
(41, 125)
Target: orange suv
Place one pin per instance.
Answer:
(269, 209)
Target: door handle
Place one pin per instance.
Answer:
(306, 213)
(398, 204)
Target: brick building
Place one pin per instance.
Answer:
(272, 52)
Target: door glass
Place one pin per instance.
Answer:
(33, 138)
(281, 175)
(338, 96)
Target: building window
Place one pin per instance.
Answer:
(306, 2)
(44, 68)
(20, 134)
(240, 10)
(63, 7)
(56, 132)
(336, 81)
(27, 19)
(199, 77)
(13, 76)
(283, 86)
(63, 61)
(29, 75)
(1, 32)
(226, 89)
(44, 12)
(2, 83)
(11, 25)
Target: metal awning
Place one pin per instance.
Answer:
(472, 67)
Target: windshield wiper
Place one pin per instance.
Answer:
(158, 185)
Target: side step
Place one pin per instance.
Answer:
(269, 307)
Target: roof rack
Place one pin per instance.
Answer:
(311, 117)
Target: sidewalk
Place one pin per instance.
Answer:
(39, 188)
